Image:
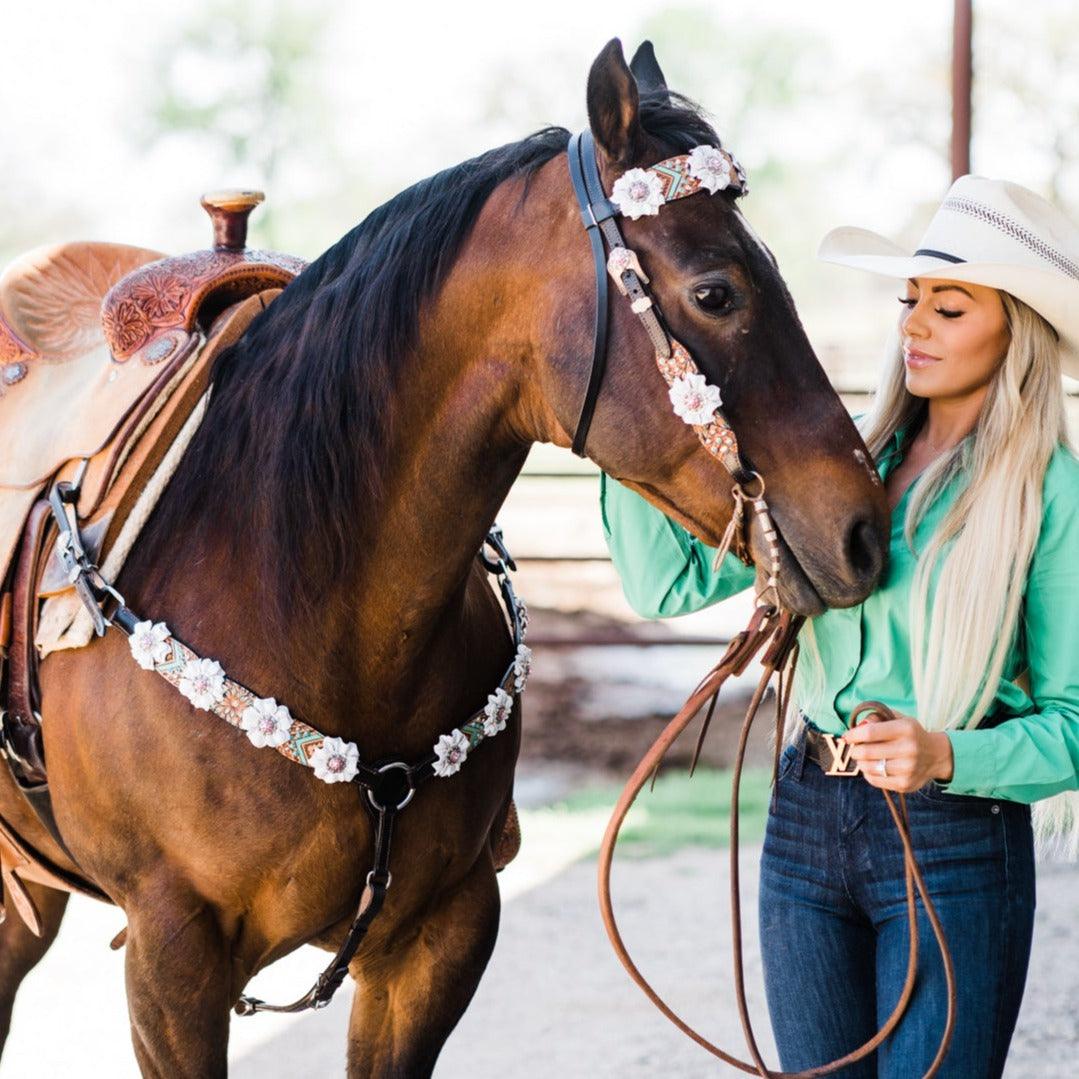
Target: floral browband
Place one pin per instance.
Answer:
(639, 192)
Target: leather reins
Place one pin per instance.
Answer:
(770, 627)
(778, 632)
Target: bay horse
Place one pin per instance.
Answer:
(320, 539)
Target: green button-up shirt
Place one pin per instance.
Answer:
(865, 649)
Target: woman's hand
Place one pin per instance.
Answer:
(914, 755)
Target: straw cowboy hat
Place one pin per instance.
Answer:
(989, 232)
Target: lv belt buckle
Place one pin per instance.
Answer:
(842, 763)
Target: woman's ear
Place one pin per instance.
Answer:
(613, 104)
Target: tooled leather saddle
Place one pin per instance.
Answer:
(105, 359)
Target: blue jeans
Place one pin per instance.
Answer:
(834, 933)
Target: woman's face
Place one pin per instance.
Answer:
(954, 336)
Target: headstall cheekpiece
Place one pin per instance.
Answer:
(697, 402)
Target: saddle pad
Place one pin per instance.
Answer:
(64, 622)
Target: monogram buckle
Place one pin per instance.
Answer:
(842, 762)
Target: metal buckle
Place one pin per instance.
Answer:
(842, 763)
(503, 561)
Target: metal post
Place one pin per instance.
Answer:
(962, 71)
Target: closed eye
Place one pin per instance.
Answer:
(939, 310)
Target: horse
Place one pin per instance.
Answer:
(320, 537)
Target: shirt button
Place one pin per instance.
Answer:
(995, 808)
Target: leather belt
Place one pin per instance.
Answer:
(829, 752)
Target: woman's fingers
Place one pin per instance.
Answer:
(876, 730)
(894, 740)
(898, 748)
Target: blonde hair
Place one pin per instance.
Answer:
(958, 652)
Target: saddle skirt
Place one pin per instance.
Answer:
(60, 393)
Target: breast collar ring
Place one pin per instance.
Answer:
(694, 400)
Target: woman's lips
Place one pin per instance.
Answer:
(914, 358)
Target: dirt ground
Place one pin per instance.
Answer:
(555, 1002)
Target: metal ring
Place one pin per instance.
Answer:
(411, 788)
(753, 498)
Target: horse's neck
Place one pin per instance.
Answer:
(464, 419)
(466, 408)
(449, 477)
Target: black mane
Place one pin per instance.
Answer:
(288, 456)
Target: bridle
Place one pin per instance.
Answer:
(770, 628)
(621, 263)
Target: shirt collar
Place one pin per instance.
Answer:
(888, 453)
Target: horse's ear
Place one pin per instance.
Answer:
(613, 106)
(646, 69)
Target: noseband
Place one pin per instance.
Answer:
(697, 402)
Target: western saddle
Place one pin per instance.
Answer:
(106, 353)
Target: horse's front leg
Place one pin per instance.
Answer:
(411, 993)
(20, 950)
(179, 986)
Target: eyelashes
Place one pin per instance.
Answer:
(939, 310)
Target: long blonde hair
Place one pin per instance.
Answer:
(958, 652)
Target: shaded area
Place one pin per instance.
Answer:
(605, 705)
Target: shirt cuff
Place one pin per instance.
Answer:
(974, 771)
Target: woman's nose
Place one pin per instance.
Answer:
(911, 324)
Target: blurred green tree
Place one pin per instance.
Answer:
(1027, 78)
(241, 82)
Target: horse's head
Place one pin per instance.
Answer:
(719, 292)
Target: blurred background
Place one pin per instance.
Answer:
(116, 117)
(115, 121)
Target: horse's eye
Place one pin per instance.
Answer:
(712, 298)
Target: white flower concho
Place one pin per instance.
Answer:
(266, 722)
(710, 165)
(496, 711)
(694, 400)
(638, 192)
(335, 761)
(203, 683)
(522, 667)
(149, 644)
(451, 751)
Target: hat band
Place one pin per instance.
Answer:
(938, 254)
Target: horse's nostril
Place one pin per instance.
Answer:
(864, 549)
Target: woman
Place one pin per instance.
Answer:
(972, 638)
